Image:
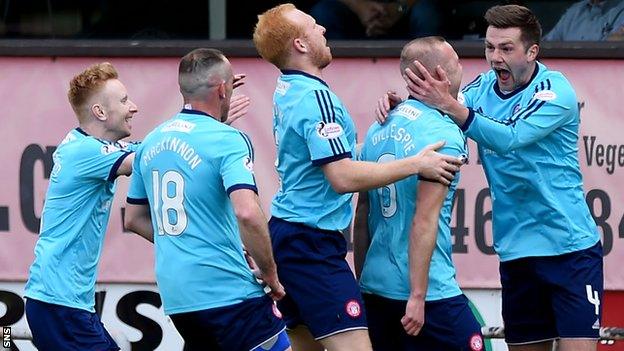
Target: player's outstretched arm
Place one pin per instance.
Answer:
(139, 220)
(255, 237)
(348, 176)
(361, 237)
(423, 234)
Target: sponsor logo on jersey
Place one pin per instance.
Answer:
(69, 137)
(109, 149)
(178, 126)
(282, 87)
(545, 95)
(407, 111)
(476, 343)
(353, 308)
(329, 130)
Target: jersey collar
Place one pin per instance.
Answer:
(302, 73)
(415, 99)
(187, 111)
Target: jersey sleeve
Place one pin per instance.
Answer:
(137, 195)
(96, 160)
(324, 127)
(548, 109)
(466, 95)
(237, 165)
(445, 129)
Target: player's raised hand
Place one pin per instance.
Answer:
(433, 92)
(385, 104)
(239, 80)
(436, 166)
(414, 317)
(239, 106)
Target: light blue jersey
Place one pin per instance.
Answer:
(311, 128)
(410, 127)
(74, 220)
(186, 168)
(528, 144)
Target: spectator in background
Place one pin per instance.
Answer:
(595, 20)
(360, 19)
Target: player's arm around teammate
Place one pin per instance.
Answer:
(347, 176)
(551, 109)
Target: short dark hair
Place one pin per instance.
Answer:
(516, 16)
(195, 69)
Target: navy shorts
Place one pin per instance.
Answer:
(321, 291)
(240, 327)
(552, 297)
(449, 325)
(56, 327)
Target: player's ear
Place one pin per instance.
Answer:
(98, 111)
(222, 89)
(300, 45)
(532, 52)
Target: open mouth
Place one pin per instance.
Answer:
(502, 74)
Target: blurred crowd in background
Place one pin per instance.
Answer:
(562, 20)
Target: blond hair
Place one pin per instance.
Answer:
(274, 34)
(88, 82)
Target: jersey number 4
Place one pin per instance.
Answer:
(169, 205)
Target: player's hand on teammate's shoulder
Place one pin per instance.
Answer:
(385, 104)
(436, 166)
(414, 317)
(239, 106)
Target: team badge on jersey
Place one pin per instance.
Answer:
(353, 308)
(545, 95)
(329, 130)
(515, 109)
(248, 163)
(476, 343)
